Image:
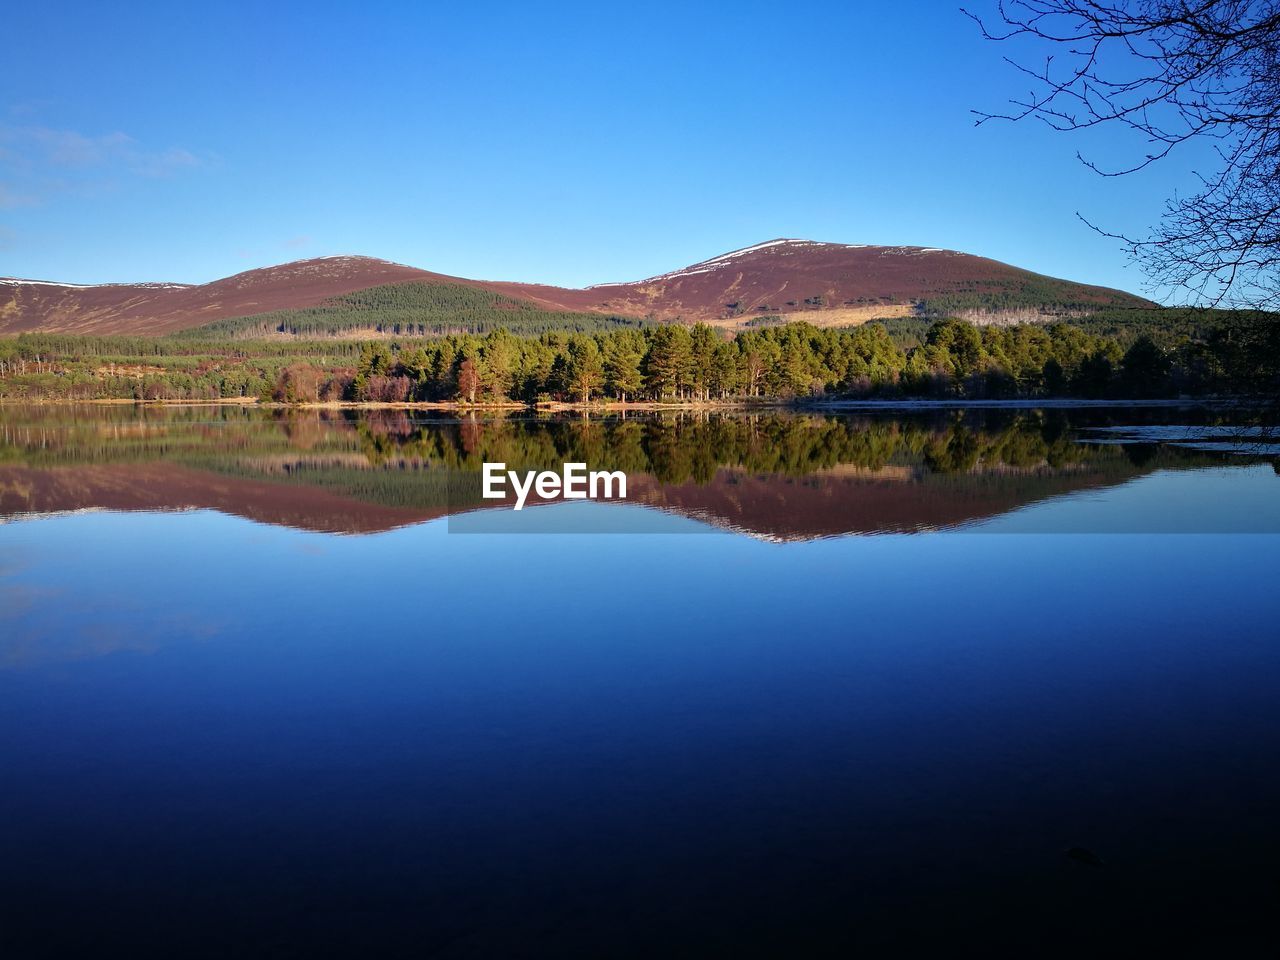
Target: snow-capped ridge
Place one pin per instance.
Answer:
(311, 263)
(16, 281)
(726, 259)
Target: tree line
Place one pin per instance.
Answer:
(677, 363)
(661, 363)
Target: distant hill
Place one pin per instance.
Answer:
(828, 279)
(827, 283)
(154, 308)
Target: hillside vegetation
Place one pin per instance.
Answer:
(1032, 294)
(1168, 327)
(409, 309)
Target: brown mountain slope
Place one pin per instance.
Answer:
(828, 282)
(786, 276)
(153, 308)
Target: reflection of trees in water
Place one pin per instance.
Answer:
(1141, 454)
(673, 449)
(955, 451)
(777, 473)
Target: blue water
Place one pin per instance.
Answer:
(226, 739)
(741, 717)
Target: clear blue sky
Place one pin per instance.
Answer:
(569, 143)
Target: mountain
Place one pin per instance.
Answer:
(829, 283)
(844, 282)
(153, 308)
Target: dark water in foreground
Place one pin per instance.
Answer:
(259, 697)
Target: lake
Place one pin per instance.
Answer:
(278, 683)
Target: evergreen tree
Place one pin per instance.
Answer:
(586, 368)
(623, 355)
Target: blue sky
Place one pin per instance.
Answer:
(567, 143)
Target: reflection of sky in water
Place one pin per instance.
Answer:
(220, 731)
(1242, 499)
(94, 583)
(579, 517)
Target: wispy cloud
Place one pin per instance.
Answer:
(166, 163)
(296, 242)
(11, 199)
(38, 161)
(28, 145)
(28, 108)
(67, 148)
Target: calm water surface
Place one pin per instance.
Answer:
(826, 686)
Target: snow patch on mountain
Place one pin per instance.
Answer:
(18, 281)
(782, 247)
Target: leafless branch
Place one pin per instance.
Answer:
(1172, 72)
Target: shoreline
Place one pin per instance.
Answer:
(648, 406)
(1044, 403)
(450, 405)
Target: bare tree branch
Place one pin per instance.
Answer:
(1172, 72)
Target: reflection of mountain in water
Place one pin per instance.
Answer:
(172, 486)
(785, 508)
(778, 475)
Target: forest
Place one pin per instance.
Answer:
(669, 363)
(410, 309)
